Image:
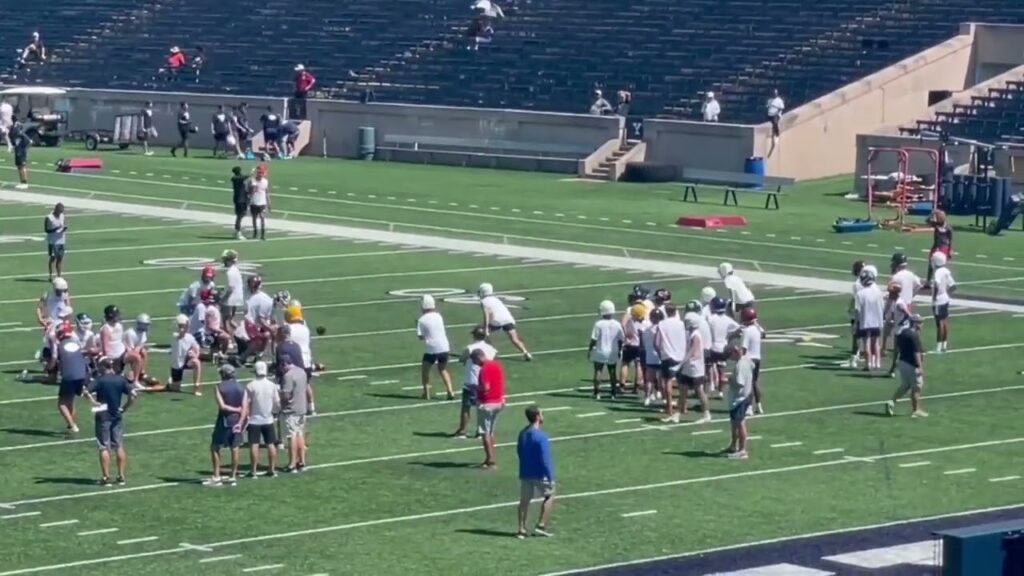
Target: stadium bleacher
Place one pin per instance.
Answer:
(997, 116)
(545, 55)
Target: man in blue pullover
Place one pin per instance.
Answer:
(536, 473)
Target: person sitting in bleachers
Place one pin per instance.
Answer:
(174, 65)
(600, 107)
(487, 9)
(710, 109)
(34, 52)
(480, 32)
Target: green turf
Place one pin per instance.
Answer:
(388, 493)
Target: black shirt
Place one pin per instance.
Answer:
(220, 123)
(270, 121)
(110, 389)
(239, 189)
(184, 120)
(908, 343)
(21, 143)
(147, 118)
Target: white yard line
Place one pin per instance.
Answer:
(1004, 479)
(960, 471)
(787, 444)
(640, 513)
(557, 409)
(622, 421)
(143, 248)
(591, 414)
(100, 531)
(220, 558)
(20, 515)
(914, 464)
(508, 504)
(138, 540)
(383, 382)
(58, 523)
(703, 432)
(263, 568)
(828, 451)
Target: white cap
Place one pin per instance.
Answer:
(710, 94)
(181, 320)
(938, 259)
(707, 294)
(427, 302)
(724, 269)
(142, 318)
(485, 290)
(607, 307)
(299, 67)
(260, 368)
(597, 92)
(175, 50)
(60, 283)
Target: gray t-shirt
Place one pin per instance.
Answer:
(294, 385)
(263, 397)
(741, 382)
(73, 365)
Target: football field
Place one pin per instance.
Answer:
(387, 491)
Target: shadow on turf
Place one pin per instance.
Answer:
(696, 453)
(432, 434)
(444, 465)
(487, 532)
(33, 280)
(65, 480)
(32, 432)
(877, 414)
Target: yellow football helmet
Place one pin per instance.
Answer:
(638, 312)
(293, 313)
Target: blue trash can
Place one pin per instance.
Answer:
(755, 167)
(367, 142)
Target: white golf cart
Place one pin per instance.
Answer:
(42, 110)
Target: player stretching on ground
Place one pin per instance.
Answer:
(496, 316)
(190, 296)
(943, 286)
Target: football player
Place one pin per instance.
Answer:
(942, 241)
(642, 294)
(740, 297)
(661, 298)
(870, 307)
(943, 286)
(86, 338)
(693, 310)
(185, 356)
(301, 336)
(52, 302)
(257, 327)
(752, 333)
(136, 343)
(233, 299)
(496, 316)
(436, 349)
(112, 338)
(51, 337)
(652, 360)
(606, 339)
(632, 355)
(722, 328)
(69, 356)
(908, 281)
(190, 296)
(707, 295)
(212, 327)
(851, 311)
(281, 301)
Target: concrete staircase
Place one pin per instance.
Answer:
(613, 164)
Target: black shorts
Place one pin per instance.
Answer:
(241, 209)
(689, 381)
(668, 368)
(504, 327)
(775, 125)
(262, 434)
(717, 357)
(941, 312)
(441, 359)
(270, 135)
(738, 411)
(256, 210)
(869, 332)
(184, 133)
(598, 366)
(757, 369)
(652, 370)
(20, 160)
(119, 364)
(177, 375)
(220, 137)
(55, 250)
(630, 354)
(70, 388)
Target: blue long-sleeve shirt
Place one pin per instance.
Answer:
(534, 453)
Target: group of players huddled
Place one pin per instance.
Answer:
(223, 325)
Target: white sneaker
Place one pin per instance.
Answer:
(919, 414)
(890, 408)
(21, 187)
(150, 153)
(673, 419)
(704, 419)
(741, 455)
(750, 410)
(717, 395)
(647, 401)
(239, 235)
(212, 481)
(657, 395)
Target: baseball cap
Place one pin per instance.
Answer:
(260, 368)
(227, 370)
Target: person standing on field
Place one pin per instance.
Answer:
(436, 349)
(106, 393)
(261, 402)
(910, 367)
(471, 376)
(259, 201)
(536, 473)
(227, 431)
(69, 357)
(942, 287)
(240, 198)
(491, 400)
(294, 405)
(741, 392)
(56, 231)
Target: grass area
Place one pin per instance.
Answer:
(387, 492)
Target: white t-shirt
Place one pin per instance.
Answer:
(870, 305)
(943, 282)
(6, 114)
(258, 192)
(212, 319)
(430, 329)
(54, 306)
(180, 348)
(711, 110)
(693, 365)
(853, 301)
(647, 334)
(609, 336)
(135, 339)
(721, 327)
(673, 339)
(87, 339)
(198, 319)
(703, 327)
(55, 230)
(631, 330)
(263, 395)
(300, 335)
(751, 341)
(114, 339)
(259, 308)
(497, 311)
(909, 284)
(471, 377)
(237, 296)
(775, 106)
(738, 288)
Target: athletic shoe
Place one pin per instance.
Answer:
(21, 187)
(121, 481)
(673, 419)
(150, 153)
(890, 408)
(717, 395)
(239, 236)
(919, 414)
(270, 473)
(521, 535)
(293, 470)
(197, 393)
(759, 409)
(252, 475)
(740, 455)
(301, 466)
(647, 400)
(704, 419)
(106, 483)
(528, 357)
(542, 531)
(750, 411)
(230, 481)
(892, 374)
(213, 481)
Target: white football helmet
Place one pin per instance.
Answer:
(869, 270)
(485, 290)
(691, 321)
(939, 259)
(142, 321)
(606, 308)
(181, 320)
(427, 302)
(724, 269)
(60, 284)
(707, 294)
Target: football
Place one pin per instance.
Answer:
(320, 330)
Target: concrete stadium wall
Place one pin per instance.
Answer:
(708, 146)
(997, 48)
(819, 139)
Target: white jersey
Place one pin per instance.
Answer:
(852, 310)
(870, 306)
(430, 328)
(693, 365)
(703, 327)
(198, 319)
(259, 308)
(941, 286)
(55, 305)
(740, 294)
(55, 233)
(647, 334)
(258, 192)
(673, 339)
(113, 339)
(300, 335)
(608, 337)
(6, 115)
(180, 348)
(212, 319)
(135, 339)
(86, 339)
(721, 327)
(236, 297)
(497, 311)
(631, 331)
(751, 341)
(471, 377)
(909, 284)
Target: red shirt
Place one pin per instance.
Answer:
(492, 383)
(176, 60)
(303, 82)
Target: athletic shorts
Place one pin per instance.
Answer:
(941, 311)
(224, 437)
(717, 357)
(738, 411)
(220, 137)
(774, 120)
(869, 332)
(20, 160)
(909, 380)
(757, 369)
(689, 381)
(261, 434)
(610, 366)
(177, 375)
(668, 368)
(530, 488)
(294, 425)
(109, 433)
(241, 209)
(469, 398)
(504, 327)
(441, 359)
(70, 388)
(55, 250)
(630, 354)
(486, 418)
(256, 210)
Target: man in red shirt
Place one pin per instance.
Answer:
(491, 399)
(304, 82)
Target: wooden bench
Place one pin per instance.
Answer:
(733, 182)
(486, 146)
